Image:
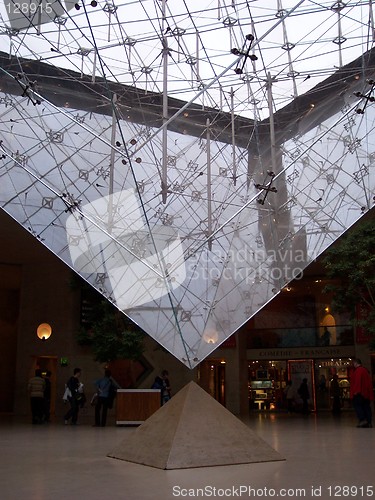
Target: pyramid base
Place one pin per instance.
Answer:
(193, 430)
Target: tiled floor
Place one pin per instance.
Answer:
(324, 455)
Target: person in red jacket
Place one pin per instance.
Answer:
(361, 393)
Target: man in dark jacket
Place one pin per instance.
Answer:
(106, 389)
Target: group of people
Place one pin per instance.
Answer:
(106, 387)
(105, 392)
(361, 394)
(39, 388)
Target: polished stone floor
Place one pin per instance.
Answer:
(325, 457)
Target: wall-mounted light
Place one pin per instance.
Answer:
(44, 331)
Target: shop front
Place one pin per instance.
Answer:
(328, 373)
(266, 380)
(269, 372)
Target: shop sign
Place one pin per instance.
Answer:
(335, 363)
(302, 352)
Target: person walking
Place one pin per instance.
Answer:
(36, 387)
(304, 394)
(105, 388)
(73, 384)
(361, 393)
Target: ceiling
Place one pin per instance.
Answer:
(282, 47)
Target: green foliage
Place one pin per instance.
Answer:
(351, 263)
(110, 333)
(114, 336)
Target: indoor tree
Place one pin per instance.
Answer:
(351, 264)
(109, 332)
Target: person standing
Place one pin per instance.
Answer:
(104, 387)
(304, 394)
(36, 387)
(335, 395)
(73, 385)
(361, 393)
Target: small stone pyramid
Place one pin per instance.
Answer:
(193, 430)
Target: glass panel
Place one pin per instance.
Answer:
(189, 215)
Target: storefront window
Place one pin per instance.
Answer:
(266, 380)
(326, 370)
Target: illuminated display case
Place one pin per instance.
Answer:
(261, 394)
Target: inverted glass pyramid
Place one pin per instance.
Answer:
(188, 198)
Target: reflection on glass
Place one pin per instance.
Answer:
(193, 227)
